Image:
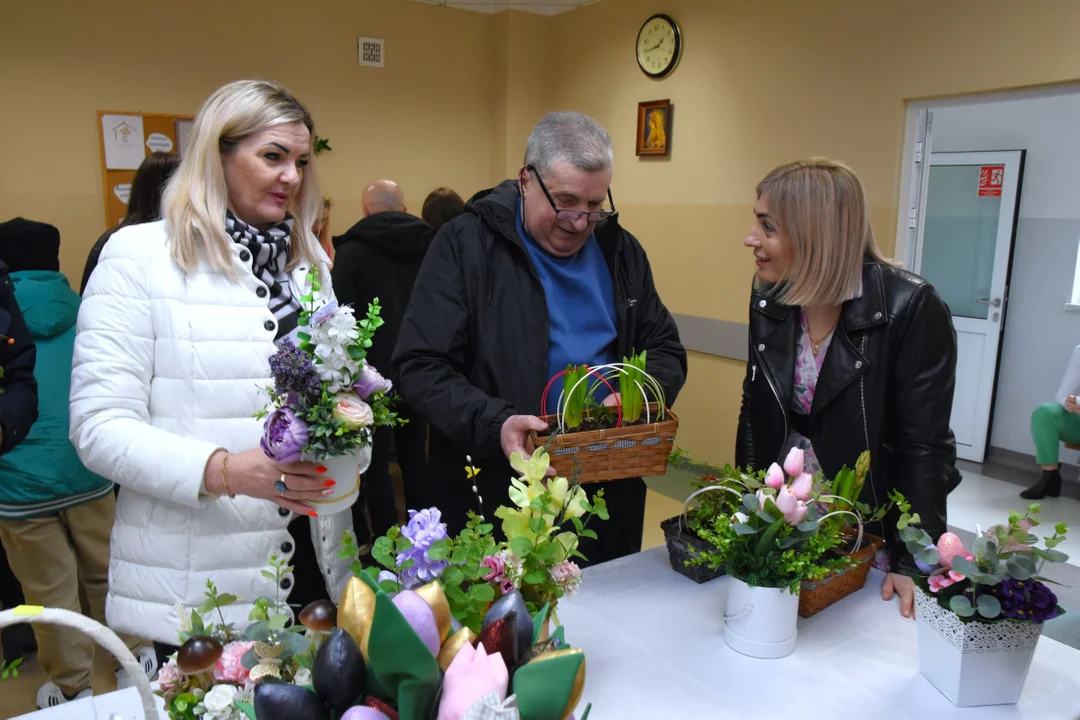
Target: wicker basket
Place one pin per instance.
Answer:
(614, 454)
(680, 544)
(816, 596)
(101, 634)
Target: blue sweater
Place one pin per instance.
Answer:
(581, 309)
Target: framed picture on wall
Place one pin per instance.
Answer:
(654, 127)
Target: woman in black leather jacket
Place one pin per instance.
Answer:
(847, 353)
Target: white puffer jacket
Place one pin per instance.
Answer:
(169, 367)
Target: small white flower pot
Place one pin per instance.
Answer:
(760, 622)
(973, 663)
(345, 470)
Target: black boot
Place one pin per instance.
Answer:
(1049, 484)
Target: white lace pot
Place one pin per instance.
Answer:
(345, 471)
(760, 622)
(974, 663)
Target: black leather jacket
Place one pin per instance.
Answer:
(886, 385)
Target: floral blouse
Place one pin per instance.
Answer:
(807, 371)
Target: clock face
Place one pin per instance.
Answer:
(658, 46)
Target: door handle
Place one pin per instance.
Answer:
(996, 302)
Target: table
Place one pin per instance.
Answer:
(124, 703)
(653, 649)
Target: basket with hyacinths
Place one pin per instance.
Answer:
(980, 610)
(326, 399)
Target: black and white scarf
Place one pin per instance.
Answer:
(269, 256)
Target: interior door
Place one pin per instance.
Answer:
(964, 247)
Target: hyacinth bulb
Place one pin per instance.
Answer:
(319, 616)
(198, 654)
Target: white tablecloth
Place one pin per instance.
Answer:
(653, 649)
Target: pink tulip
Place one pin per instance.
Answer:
(949, 546)
(802, 486)
(796, 516)
(795, 462)
(775, 477)
(472, 675)
(786, 502)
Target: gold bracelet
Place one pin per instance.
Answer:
(225, 476)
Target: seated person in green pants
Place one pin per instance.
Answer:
(1052, 424)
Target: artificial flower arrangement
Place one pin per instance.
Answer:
(776, 536)
(542, 528)
(998, 579)
(980, 610)
(326, 399)
(403, 654)
(631, 438)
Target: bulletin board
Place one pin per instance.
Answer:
(126, 138)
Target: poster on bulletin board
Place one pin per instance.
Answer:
(127, 138)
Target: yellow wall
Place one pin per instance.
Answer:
(763, 82)
(425, 120)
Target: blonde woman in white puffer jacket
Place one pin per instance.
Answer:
(175, 334)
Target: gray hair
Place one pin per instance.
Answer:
(572, 137)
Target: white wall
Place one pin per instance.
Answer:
(1039, 334)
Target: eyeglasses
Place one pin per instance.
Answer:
(573, 215)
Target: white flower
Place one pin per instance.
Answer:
(302, 677)
(332, 338)
(740, 517)
(219, 702)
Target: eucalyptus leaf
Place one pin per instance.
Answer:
(742, 529)
(294, 644)
(278, 622)
(750, 502)
(1020, 567)
(206, 607)
(808, 526)
(765, 515)
(989, 606)
(960, 605)
(929, 555)
(966, 567)
(257, 632)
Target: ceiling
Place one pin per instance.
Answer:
(540, 7)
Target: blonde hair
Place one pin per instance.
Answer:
(196, 198)
(820, 207)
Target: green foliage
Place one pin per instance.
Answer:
(10, 669)
(320, 146)
(576, 391)
(632, 385)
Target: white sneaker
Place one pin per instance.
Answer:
(49, 696)
(148, 659)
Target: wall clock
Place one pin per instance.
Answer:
(659, 45)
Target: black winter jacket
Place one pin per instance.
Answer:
(19, 400)
(474, 344)
(886, 385)
(380, 257)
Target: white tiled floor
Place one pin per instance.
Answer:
(984, 501)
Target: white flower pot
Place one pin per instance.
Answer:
(973, 663)
(760, 622)
(345, 470)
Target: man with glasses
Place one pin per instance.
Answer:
(536, 275)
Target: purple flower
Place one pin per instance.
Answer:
(507, 587)
(371, 382)
(294, 372)
(322, 314)
(424, 529)
(1026, 600)
(284, 436)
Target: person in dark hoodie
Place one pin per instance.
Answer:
(536, 275)
(55, 515)
(380, 257)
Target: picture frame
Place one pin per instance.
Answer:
(654, 128)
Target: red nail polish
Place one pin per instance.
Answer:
(321, 469)
(312, 513)
(330, 483)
